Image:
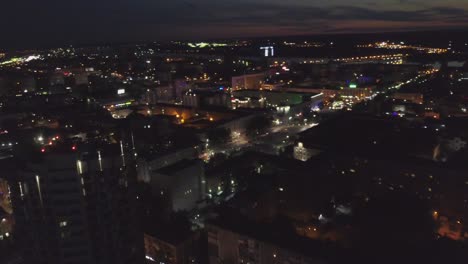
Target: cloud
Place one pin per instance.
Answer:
(158, 19)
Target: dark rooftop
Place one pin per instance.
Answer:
(179, 166)
(277, 233)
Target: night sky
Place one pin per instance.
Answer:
(26, 23)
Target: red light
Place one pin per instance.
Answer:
(43, 150)
(73, 147)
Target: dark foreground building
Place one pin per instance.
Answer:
(78, 207)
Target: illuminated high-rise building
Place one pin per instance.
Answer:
(268, 51)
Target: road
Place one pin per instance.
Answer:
(278, 135)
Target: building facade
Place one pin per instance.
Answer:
(78, 208)
(248, 81)
(230, 247)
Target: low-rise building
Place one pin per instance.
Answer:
(183, 184)
(416, 98)
(232, 241)
(173, 246)
(248, 81)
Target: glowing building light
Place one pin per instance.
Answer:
(21, 189)
(150, 258)
(38, 183)
(100, 160)
(269, 51)
(79, 166)
(122, 153)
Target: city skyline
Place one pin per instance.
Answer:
(227, 132)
